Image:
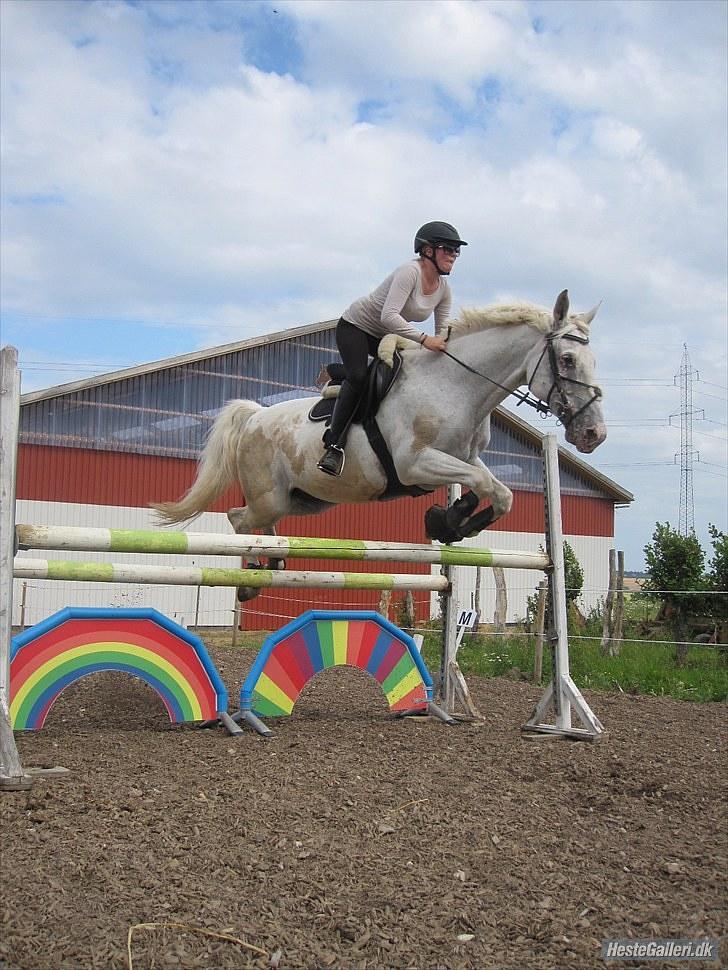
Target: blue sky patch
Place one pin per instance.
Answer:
(37, 199)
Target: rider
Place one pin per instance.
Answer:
(409, 294)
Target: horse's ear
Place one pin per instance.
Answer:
(561, 309)
(587, 317)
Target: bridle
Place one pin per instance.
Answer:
(560, 408)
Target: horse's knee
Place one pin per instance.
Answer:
(501, 501)
(237, 519)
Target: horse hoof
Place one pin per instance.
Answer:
(437, 526)
(246, 593)
(476, 523)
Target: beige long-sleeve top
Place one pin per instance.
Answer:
(398, 302)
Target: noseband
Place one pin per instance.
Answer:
(562, 407)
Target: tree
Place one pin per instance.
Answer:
(573, 575)
(717, 576)
(574, 582)
(675, 568)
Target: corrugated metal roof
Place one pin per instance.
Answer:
(169, 362)
(516, 424)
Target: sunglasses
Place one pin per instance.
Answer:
(449, 250)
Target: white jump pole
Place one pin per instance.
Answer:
(99, 572)
(12, 776)
(164, 542)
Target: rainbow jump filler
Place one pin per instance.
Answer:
(320, 639)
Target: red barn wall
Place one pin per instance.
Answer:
(121, 479)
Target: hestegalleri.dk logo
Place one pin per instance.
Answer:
(660, 949)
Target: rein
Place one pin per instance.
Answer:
(562, 409)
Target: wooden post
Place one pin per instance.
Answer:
(501, 599)
(607, 626)
(23, 597)
(410, 616)
(540, 623)
(618, 611)
(237, 619)
(478, 597)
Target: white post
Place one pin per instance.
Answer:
(449, 623)
(11, 771)
(562, 693)
(558, 632)
(453, 688)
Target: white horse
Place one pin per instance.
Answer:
(435, 421)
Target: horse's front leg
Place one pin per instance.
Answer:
(433, 467)
(246, 520)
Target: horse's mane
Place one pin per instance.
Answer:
(471, 320)
(505, 315)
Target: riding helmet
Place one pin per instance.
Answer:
(436, 233)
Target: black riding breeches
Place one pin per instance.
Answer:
(356, 347)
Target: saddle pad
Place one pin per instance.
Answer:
(322, 409)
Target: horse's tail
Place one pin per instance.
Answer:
(218, 465)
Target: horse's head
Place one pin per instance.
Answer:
(562, 374)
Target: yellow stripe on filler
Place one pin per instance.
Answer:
(272, 692)
(340, 636)
(407, 684)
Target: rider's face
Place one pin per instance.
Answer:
(445, 257)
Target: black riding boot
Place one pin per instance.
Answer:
(332, 461)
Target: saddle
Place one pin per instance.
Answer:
(380, 378)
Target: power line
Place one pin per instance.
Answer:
(634, 464)
(713, 397)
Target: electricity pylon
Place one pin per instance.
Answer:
(686, 377)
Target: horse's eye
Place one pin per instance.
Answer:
(568, 360)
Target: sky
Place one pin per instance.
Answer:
(179, 175)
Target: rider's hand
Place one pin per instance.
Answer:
(434, 343)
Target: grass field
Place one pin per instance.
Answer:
(642, 667)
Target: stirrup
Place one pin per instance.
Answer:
(332, 462)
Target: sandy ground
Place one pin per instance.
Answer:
(354, 840)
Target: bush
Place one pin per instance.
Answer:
(675, 565)
(574, 582)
